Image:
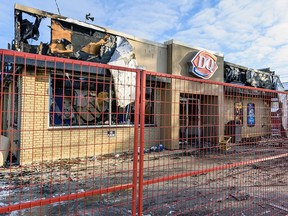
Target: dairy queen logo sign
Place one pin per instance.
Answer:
(204, 64)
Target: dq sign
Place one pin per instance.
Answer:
(204, 64)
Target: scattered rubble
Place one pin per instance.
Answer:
(240, 196)
(61, 177)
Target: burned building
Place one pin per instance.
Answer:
(74, 108)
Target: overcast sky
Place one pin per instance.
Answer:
(252, 33)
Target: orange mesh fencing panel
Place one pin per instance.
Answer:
(81, 138)
(68, 132)
(222, 150)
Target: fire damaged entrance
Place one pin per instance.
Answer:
(198, 120)
(190, 120)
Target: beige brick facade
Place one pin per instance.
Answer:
(39, 142)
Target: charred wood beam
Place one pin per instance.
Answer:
(33, 12)
(24, 30)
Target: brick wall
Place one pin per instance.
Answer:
(39, 142)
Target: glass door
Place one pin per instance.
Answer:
(190, 121)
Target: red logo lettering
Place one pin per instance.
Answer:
(204, 64)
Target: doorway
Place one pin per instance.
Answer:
(190, 121)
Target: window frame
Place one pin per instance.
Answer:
(110, 124)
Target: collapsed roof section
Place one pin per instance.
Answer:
(78, 40)
(68, 38)
(83, 41)
(262, 78)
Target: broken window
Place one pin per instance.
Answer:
(149, 105)
(10, 82)
(15, 103)
(128, 114)
(90, 100)
(78, 100)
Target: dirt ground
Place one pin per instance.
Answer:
(254, 189)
